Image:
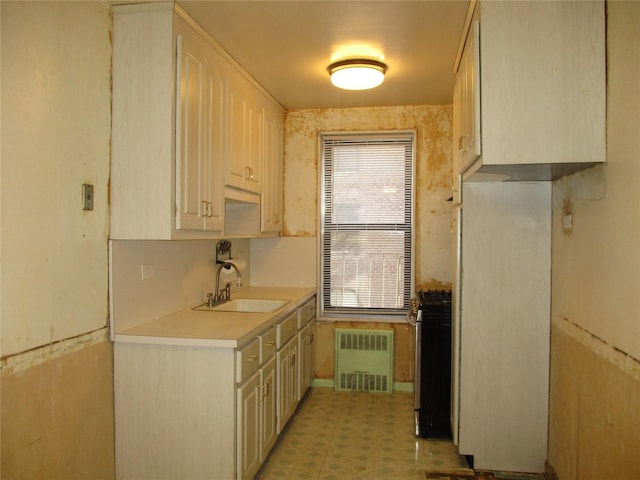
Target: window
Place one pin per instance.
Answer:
(366, 223)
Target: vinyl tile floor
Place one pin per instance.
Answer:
(357, 436)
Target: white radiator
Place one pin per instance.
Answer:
(364, 360)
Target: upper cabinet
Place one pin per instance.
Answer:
(530, 92)
(272, 173)
(188, 133)
(246, 126)
(467, 96)
(199, 134)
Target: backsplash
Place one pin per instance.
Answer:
(181, 273)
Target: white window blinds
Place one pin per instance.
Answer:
(366, 219)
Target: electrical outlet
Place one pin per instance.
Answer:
(146, 272)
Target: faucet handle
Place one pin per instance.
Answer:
(210, 300)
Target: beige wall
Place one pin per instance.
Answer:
(56, 399)
(433, 157)
(594, 419)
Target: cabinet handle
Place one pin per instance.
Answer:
(291, 328)
(310, 339)
(248, 173)
(209, 209)
(293, 358)
(463, 143)
(205, 208)
(252, 358)
(270, 343)
(267, 389)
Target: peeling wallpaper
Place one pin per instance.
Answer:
(433, 166)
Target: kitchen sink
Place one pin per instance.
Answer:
(246, 305)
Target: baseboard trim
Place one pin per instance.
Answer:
(403, 387)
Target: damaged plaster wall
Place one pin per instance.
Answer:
(433, 242)
(57, 377)
(433, 166)
(594, 420)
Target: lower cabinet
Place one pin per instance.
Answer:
(287, 382)
(179, 408)
(256, 419)
(306, 352)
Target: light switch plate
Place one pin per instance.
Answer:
(87, 196)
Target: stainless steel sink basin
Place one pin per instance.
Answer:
(246, 305)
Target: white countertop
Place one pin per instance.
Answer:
(217, 329)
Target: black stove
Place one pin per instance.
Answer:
(433, 364)
(434, 297)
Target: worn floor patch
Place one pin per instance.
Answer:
(451, 474)
(448, 476)
(517, 476)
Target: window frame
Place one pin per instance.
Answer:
(353, 313)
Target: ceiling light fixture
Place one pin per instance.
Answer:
(357, 73)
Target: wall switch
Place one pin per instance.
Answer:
(146, 272)
(87, 196)
(567, 222)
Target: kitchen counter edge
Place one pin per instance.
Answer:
(192, 328)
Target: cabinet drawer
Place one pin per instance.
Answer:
(287, 328)
(268, 344)
(307, 313)
(247, 360)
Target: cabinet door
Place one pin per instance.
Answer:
(212, 200)
(190, 130)
(254, 142)
(293, 375)
(248, 425)
(311, 351)
(272, 173)
(245, 125)
(468, 81)
(303, 363)
(199, 135)
(269, 406)
(287, 382)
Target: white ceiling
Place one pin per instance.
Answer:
(287, 45)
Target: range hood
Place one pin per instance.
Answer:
(241, 213)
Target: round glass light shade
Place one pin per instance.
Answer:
(357, 74)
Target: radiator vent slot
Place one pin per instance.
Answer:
(364, 360)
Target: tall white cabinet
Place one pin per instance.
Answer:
(529, 107)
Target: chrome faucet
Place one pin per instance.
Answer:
(222, 295)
